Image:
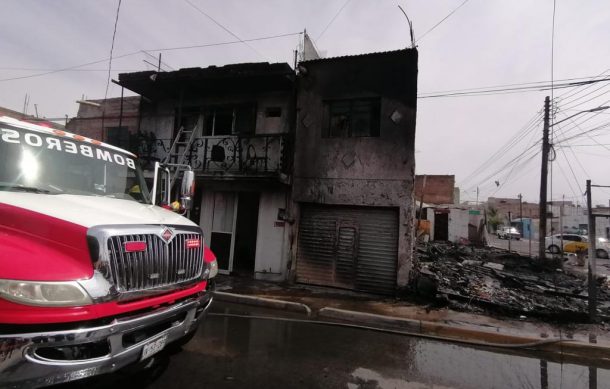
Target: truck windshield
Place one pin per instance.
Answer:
(40, 162)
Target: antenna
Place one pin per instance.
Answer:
(410, 26)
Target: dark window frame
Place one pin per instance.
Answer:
(239, 118)
(352, 108)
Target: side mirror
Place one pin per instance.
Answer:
(187, 189)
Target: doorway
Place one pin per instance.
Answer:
(441, 225)
(245, 233)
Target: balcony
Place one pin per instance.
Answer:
(224, 156)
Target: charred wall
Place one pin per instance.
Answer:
(375, 170)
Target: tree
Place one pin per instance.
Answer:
(493, 218)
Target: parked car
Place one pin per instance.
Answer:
(508, 233)
(572, 243)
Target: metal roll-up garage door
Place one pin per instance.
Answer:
(348, 247)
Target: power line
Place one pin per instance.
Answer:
(510, 143)
(333, 19)
(74, 70)
(576, 91)
(75, 67)
(494, 87)
(442, 20)
(588, 135)
(116, 21)
(225, 43)
(222, 26)
(516, 89)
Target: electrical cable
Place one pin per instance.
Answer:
(503, 91)
(116, 22)
(333, 19)
(577, 81)
(519, 135)
(223, 27)
(508, 164)
(576, 125)
(580, 89)
(442, 20)
(518, 165)
(592, 98)
(389, 331)
(74, 67)
(224, 43)
(507, 178)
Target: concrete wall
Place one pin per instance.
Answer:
(365, 171)
(505, 205)
(458, 225)
(271, 247)
(92, 121)
(439, 189)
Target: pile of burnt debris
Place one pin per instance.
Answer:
(489, 279)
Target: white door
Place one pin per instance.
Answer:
(219, 212)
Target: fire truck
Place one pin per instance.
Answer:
(96, 273)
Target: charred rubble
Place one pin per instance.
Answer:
(488, 279)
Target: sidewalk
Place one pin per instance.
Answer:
(329, 304)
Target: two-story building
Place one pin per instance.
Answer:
(303, 175)
(233, 125)
(354, 171)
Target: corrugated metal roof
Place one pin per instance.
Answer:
(376, 53)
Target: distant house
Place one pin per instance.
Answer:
(115, 121)
(29, 118)
(435, 189)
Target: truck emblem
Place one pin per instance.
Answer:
(167, 234)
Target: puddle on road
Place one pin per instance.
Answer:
(282, 354)
(367, 378)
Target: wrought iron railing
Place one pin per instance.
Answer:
(254, 155)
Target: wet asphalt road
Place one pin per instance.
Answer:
(236, 352)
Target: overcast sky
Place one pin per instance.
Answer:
(483, 43)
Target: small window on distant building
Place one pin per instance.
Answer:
(273, 112)
(118, 136)
(351, 118)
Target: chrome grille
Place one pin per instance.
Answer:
(160, 264)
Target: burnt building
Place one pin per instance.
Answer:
(354, 168)
(303, 175)
(233, 125)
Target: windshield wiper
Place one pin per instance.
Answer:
(30, 189)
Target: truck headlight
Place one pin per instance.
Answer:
(213, 268)
(43, 293)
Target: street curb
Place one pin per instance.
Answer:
(262, 302)
(449, 332)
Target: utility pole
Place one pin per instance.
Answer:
(510, 224)
(592, 253)
(521, 212)
(543, 179)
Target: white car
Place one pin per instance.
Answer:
(508, 233)
(573, 243)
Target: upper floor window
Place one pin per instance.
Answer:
(351, 118)
(230, 120)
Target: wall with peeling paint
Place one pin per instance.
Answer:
(361, 171)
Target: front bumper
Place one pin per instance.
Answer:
(39, 358)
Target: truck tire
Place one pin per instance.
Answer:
(554, 249)
(601, 253)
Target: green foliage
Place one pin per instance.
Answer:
(493, 218)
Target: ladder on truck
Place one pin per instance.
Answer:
(181, 147)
